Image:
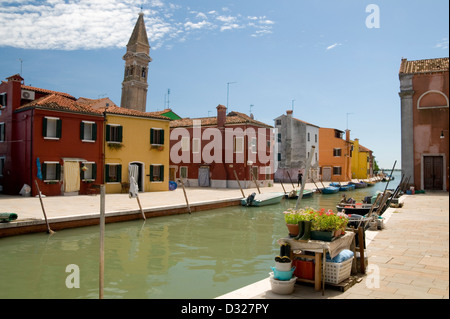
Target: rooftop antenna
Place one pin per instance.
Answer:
(293, 104)
(228, 91)
(168, 97)
(21, 62)
(347, 118)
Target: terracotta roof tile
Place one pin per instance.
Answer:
(232, 118)
(114, 109)
(31, 88)
(424, 66)
(59, 103)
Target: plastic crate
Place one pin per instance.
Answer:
(338, 272)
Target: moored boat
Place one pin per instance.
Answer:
(348, 187)
(357, 208)
(294, 194)
(359, 184)
(262, 199)
(329, 190)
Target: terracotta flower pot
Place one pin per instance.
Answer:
(293, 229)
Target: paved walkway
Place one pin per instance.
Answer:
(409, 259)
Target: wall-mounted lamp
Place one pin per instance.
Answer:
(442, 133)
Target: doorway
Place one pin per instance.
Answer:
(136, 169)
(433, 172)
(203, 176)
(326, 173)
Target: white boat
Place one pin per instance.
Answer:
(262, 199)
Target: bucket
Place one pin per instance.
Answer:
(283, 266)
(304, 269)
(282, 287)
(283, 275)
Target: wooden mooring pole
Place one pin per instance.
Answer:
(49, 231)
(185, 196)
(239, 183)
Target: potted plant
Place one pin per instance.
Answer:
(292, 218)
(326, 224)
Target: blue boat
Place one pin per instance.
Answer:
(348, 187)
(329, 190)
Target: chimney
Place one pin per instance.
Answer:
(289, 113)
(347, 135)
(221, 116)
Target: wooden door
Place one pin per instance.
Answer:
(433, 172)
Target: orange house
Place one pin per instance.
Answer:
(335, 154)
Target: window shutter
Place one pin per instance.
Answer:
(161, 137)
(161, 173)
(82, 130)
(120, 128)
(106, 173)
(44, 171)
(94, 131)
(151, 172)
(119, 173)
(58, 171)
(151, 135)
(58, 128)
(44, 127)
(81, 172)
(107, 132)
(94, 171)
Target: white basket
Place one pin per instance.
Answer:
(282, 287)
(337, 272)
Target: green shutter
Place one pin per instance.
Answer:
(94, 171)
(151, 135)
(151, 173)
(119, 173)
(81, 171)
(44, 171)
(44, 127)
(161, 173)
(58, 128)
(58, 171)
(120, 128)
(82, 130)
(94, 131)
(107, 132)
(161, 140)
(106, 173)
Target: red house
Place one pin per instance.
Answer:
(48, 137)
(212, 151)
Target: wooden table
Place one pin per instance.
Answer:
(319, 248)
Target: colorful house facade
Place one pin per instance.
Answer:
(335, 155)
(49, 139)
(424, 97)
(362, 161)
(135, 144)
(221, 152)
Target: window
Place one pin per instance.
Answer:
(268, 172)
(156, 173)
(195, 145)
(2, 165)
(90, 173)
(185, 144)
(51, 171)
(144, 72)
(315, 138)
(113, 173)
(337, 170)
(253, 145)
(2, 132)
(183, 172)
(156, 136)
(114, 133)
(279, 137)
(238, 144)
(279, 156)
(51, 128)
(308, 137)
(337, 152)
(3, 100)
(278, 122)
(88, 131)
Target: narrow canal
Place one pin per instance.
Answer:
(203, 255)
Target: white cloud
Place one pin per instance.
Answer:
(92, 24)
(333, 46)
(443, 44)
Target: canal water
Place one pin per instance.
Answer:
(203, 255)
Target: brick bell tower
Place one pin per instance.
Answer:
(137, 58)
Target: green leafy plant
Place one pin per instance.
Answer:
(320, 220)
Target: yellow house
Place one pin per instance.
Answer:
(136, 144)
(361, 161)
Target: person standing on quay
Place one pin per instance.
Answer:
(299, 178)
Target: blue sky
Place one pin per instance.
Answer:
(321, 54)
